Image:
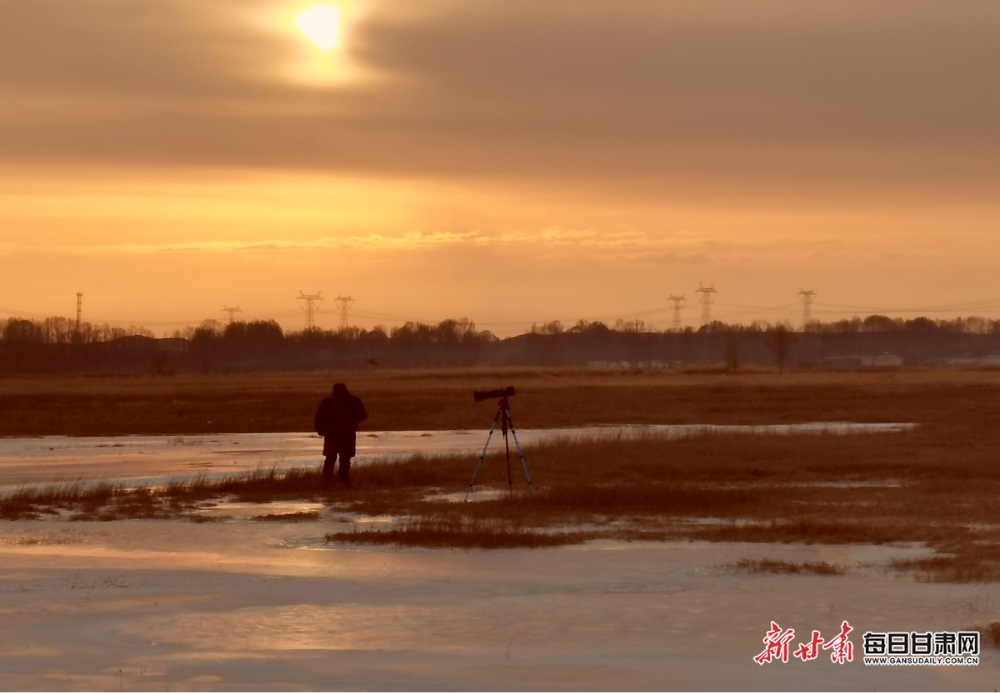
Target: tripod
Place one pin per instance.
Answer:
(503, 418)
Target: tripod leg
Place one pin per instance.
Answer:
(506, 444)
(524, 465)
(482, 456)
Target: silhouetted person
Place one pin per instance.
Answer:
(337, 420)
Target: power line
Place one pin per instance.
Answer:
(759, 309)
(951, 308)
(310, 303)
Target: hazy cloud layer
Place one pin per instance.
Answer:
(701, 93)
(594, 156)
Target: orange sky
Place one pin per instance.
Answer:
(509, 161)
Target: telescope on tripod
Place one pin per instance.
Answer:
(506, 424)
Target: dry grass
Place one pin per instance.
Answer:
(935, 484)
(810, 488)
(460, 532)
(305, 516)
(80, 501)
(442, 400)
(767, 565)
(829, 489)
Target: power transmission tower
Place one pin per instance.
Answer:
(344, 303)
(232, 313)
(308, 303)
(677, 300)
(707, 297)
(807, 299)
(79, 310)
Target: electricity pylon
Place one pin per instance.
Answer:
(344, 303)
(308, 303)
(677, 300)
(707, 297)
(807, 299)
(232, 313)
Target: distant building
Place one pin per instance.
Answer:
(882, 361)
(861, 361)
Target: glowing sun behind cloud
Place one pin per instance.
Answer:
(320, 24)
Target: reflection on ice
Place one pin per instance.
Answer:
(156, 459)
(376, 520)
(257, 510)
(181, 606)
(478, 494)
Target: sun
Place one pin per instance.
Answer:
(320, 23)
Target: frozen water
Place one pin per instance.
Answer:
(156, 459)
(244, 605)
(251, 605)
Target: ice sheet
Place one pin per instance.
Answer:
(245, 605)
(242, 604)
(155, 459)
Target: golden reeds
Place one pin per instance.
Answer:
(934, 484)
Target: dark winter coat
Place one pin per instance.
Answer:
(337, 419)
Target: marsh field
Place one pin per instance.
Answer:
(934, 484)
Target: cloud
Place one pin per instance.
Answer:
(155, 51)
(750, 96)
(114, 249)
(540, 241)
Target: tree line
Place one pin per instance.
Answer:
(59, 345)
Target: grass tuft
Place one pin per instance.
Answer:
(458, 532)
(288, 517)
(767, 565)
